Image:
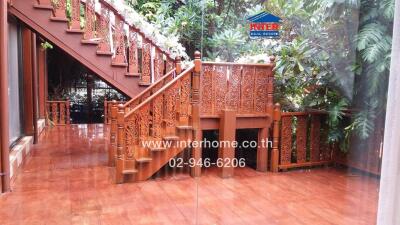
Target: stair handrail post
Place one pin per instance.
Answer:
(275, 138)
(197, 134)
(270, 88)
(112, 156)
(120, 144)
(178, 65)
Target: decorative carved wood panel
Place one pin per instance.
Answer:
(233, 93)
(220, 86)
(59, 7)
(158, 65)
(247, 90)
(119, 43)
(286, 141)
(301, 139)
(206, 89)
(103, 31)
(261, 90)
(146, 62)
(90, 23)
(133, 62)
(75, 22)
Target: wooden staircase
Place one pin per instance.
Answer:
(169, 104)
(122, 59)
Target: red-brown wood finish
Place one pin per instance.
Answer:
(67, 169)
(4, 129)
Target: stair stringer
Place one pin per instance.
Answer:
(55, 31)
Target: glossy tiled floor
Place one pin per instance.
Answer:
(66, 181)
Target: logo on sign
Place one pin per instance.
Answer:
(264, 25)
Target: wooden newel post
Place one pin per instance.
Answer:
(275, 138)
(197, 134)
(270, 88)
(178, 65)
(68, 112)
(120, 145)
(113, 134)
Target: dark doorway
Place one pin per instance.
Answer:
(246, 139)
(69, 79)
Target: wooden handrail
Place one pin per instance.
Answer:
(150, 88)
(184, 73)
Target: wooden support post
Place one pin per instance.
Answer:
(275, 137)
(262, 150)
(227, 135)
(120, 145)
(35, 91)
(197, 134)
(113, 134)
(4, 129)
(178, 65)
(67, 107)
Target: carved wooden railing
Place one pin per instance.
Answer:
(155, 118)
(112, 37)
(244, 88)
(131, 104)
(107, 109)
(302, 138)
(58, 112)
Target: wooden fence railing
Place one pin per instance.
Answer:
(302, 140)
(129, 49)
(244, 88)
(58, 112)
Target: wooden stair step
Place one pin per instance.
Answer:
(133, 74)
(159, 149)
(184, 127)
(101, 53)
(144, 160)
(171, 138)
(42, 6)
(90, 42)
(75, 31)
(59, 19)
(132, 171)
(119, 64)
(141, 83)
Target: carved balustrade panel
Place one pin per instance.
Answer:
(158, 65)
(59, 8)
(90, 20)
(185, 100)
(286, 141)
(146, 62)
(103, 31)
(119, 44)
(171, 99)
(157, 110)
(220, 87)
(206, 90)
(301, 139)
(233, 93)
(169, 64)
(247, 90)
(132, 125)
(144, 122)
(261, 90)
(75, 23)
(133, 61)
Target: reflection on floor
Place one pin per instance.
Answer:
(66, 181)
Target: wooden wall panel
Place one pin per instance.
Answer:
(27, 81)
